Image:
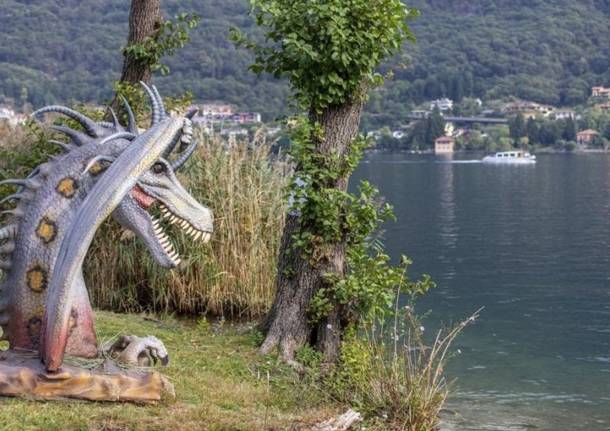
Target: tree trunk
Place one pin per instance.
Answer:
(287, 325)
(144, 20)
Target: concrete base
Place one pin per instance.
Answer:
(23, 375)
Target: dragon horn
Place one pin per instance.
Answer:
(156, 113)
(115, 121)
(189, 115)
(131, 125)
(120, 178)
(78, 138)
(119, 135)
(90, 126)
(160, 101)
(186, 154)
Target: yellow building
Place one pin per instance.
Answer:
(444, 145)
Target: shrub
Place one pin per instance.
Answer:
(388, 373)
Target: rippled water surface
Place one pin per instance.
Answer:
(532, 245)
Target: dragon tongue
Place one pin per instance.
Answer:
(141, 197)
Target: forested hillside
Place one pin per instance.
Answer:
(550, 51)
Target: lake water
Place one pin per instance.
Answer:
(531, 244)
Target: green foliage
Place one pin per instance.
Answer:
(328, 216)
(169, 36)
(478, 49)
(328, 50)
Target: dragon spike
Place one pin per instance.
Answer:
(7, 248)
(16, 196)
(88, 124)
(160, 100)
(5, 264)
(179, 162)
(63, 145)
(29, 183)
(120, 135)
(78, 138)
(35, 172)
(9, 231)
(95, 160)
(17, 212)
(115, 121)
(131, 126)
(156, 109)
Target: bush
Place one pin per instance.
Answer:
(388, 373)
(232, 276)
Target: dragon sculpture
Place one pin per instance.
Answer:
(106, 169)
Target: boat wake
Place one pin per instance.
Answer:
(458, 162)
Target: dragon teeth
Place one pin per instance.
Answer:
(197, 235)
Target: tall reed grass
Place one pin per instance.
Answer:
(233, 276)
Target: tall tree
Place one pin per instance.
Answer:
(329, 52)
(435, 126)
(517, 127)
(145, 19)
(569, 131)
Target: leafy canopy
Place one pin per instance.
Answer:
(327, 48)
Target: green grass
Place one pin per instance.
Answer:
(221, 384)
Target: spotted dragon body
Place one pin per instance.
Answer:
(107, 169)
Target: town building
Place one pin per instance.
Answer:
(223, 113)
(527, 109)
(563, 114)
(444, 145)
(586, 137)
(600, 93)
(8, 115)
(442, 104)
(420, 113)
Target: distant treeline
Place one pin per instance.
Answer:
(550, 52)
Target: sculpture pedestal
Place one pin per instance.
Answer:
(23, 375)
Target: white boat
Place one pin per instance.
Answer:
(511, 157)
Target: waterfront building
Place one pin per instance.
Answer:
(444, 145)
(586, 137)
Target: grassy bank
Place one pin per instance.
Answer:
(221, 384)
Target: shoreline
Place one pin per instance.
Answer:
(534, 151)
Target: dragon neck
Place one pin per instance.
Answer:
(46, 207)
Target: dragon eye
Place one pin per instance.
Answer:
(158, 168)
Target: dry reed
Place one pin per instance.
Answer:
(233, 276)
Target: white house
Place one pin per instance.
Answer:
(563, 114)
(443, 104)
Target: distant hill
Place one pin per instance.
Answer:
(550, 51)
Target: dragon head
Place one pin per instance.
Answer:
(160, 186)
(141, 174)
